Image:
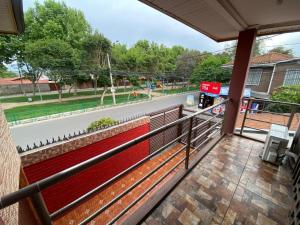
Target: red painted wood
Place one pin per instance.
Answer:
(239, 75)
(70, 189)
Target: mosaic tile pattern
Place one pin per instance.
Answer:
(231, 185)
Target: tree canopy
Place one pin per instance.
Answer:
(282, 50)
(210, 69)
(58, 41)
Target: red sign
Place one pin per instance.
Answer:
(210, 87)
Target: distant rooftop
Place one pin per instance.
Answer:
(17, 80)
(268, 59)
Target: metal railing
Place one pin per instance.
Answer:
(277, 109)
(34, 190)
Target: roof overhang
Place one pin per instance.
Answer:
(11, 16)
(222, 20)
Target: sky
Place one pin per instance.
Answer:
(127, 21)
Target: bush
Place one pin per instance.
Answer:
(103, 122)
(285, 94)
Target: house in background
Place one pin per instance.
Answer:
(17, 85)
(270, 71)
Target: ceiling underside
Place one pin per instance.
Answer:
(222, 20)
(11, 16)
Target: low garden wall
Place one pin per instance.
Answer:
(11, 89)
(51, 159)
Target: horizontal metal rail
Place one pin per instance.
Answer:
(103, 208)
(47, 182)
(208, 130)
(103, 185)
(271, 101)
(189, 110)
(263, 121)
(205, 122)
(274, 113)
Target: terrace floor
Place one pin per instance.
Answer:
(231, 185)
(98, 200)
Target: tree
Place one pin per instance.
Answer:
(53, 57)
(186, 62)
(96, 48)
(55, 20)
(258, 48)
(282, 50)
(210, 69)
(49, 20)
(103, 81)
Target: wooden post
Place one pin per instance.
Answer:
(238, 79)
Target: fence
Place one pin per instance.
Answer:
(259, 114)
(193, 137)
(161, 118)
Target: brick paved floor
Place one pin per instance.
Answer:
(86, 208)
(280, 119)
(231, 185)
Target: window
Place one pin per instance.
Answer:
(254, 77)
(292, 77)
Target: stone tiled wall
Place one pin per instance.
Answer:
(9, 171)
(50, 151)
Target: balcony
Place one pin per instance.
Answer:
(193, 174)
(231, 185)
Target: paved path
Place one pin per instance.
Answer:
(39, 131)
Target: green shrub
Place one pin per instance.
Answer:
(103, 122)
(285, 94)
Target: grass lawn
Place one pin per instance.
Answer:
(32, 111)
(178, 90)
(55, 96)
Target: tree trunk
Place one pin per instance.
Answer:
(124, 83)
(95, 86)
(103, 95)
(60, 93)
(70, 89)
(34, 86)
(75, 87)
(21, 78)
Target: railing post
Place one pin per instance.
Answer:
(188, 145)
(289, 123)
(249, 103)
(41, 209)
(179, 130)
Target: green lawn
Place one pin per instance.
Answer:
(32, 111)
(55, 96)
(178, 90)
